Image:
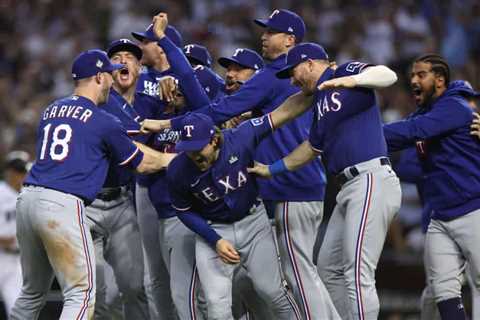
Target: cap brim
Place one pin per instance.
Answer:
(115, 66)
(129, 47)
(140, 36)
(225, 62)
(196, 145)
(261, 22)
(285, 73)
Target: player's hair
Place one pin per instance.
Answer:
(439, 65)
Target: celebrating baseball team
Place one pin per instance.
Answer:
(161, 191)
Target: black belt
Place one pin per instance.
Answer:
(342, 178)
(110, 194)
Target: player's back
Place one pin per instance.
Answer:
(72, 148)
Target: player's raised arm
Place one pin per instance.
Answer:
(373, 77)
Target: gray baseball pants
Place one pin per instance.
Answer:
(54, 240)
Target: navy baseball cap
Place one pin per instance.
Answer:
(91, 62)
(171, 32)
(197, 54)
(300, 53)
(124, 45)
(244, 57)
(285, 21)
(465, 88)
(208, 80)
(198, 129)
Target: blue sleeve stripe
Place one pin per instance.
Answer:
(129, 158)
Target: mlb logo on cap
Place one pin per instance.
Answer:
(197, 131)
(91, 62)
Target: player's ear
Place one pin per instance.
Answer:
(98, 78)
(290, 41)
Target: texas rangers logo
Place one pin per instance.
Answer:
(188, 130)
(237, 52)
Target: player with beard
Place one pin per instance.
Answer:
(450, 160)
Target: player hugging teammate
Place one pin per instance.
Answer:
(205, 222)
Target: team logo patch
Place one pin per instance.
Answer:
(257, 121)
(233, 159)
(99, 64)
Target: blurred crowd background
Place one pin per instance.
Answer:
(39, 39)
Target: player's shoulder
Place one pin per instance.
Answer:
(181, 170)
(456, 103)
(350, 68)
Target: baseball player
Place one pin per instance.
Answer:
(370, 194)
(157, 279)
(409, 168)
(296, 198)
(440, 129)
(75, 143)
(241, 66)
(198, 55)
(177, 242)
(111, 217)
(154, 59)
(215, 197)
(16, 167)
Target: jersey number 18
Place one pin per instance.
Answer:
(60, 138)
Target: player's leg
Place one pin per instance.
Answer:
(474, 292)
(102, 311)
(37, 273)
(428, 307)
(247, 304)
(113, 299)
(60, 222)
(330, 261)
(257, 249)
(215, 275)
(124, 253)
(184, 284)
(297, 226)
(464, 230)
(372, 200)
(445, 265)
(158, 279)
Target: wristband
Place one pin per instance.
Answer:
(277, 167)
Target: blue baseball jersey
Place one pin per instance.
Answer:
(165, 140)
(347, 126)
(148, 80)
(120, 108)
(76, 141)
(225, 192)
(264, 92)
(450, 155)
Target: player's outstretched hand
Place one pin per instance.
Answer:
(160, 23)
(227, 252)
(167, 87)
(342, 82)
(260, 169)
(150, 125)
(475, 126)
